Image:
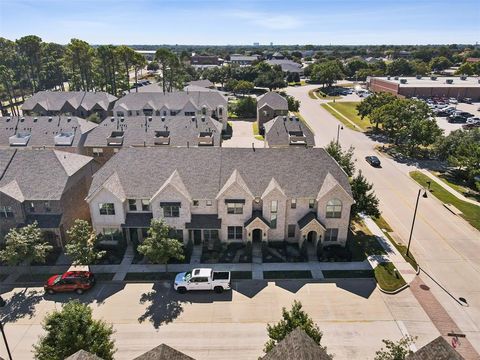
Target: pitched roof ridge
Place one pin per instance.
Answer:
(235, 177)
(273, 184)
(74, 162)
(13, 190)
(176, 181)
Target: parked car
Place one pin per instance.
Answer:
(453, 101)
(444, 112)
(469, 126)
(473, 120)
(373, 160)
(457, 119)
(202, 279)
(464, 114)
(467, 100)
(78, 281)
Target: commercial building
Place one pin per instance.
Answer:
(454, 86)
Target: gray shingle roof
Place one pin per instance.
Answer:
(243, 57)
(136, 220)
(297, 345)
(142, 171)
(201, 221)
(277, 131)
(172, 101)
(202, 83)
(140, 130)
(55, 100)
(83, 355)
(163, 352)
(43, 129)
(5, 158)
(286, 65)
(40, 174)
(438, 349)
(274, 100)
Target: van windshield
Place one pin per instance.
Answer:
(188, 276)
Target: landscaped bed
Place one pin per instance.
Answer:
(388, 278)
(470, 212)
(227, 253)
(362, 243)
(283, 251)
(277, 275)
(349, 110)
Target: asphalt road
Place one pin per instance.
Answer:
(445, 245)
(353, 315)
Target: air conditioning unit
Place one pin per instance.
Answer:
(433, 78)
(463, 77)
(449, 81)
(418, 77)
(403, 81)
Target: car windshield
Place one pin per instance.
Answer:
(188, 276)
(57, 279)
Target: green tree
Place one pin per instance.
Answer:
(153, 66)
(354, 65)
(326, 73)
(344, 158)
(25, 244)
(395, 350)
(295, 318)
(82, 244)
(126, 56)
(366, 202)
(107, 65)
(243, 87)
(420, 67)
(374, 101)
(462, 149)
(52, 69)
(159, 247)
(165, 59)
(246, 107)
(30, 51)
(138, 62)
(270, 77)
(466, 69)
(400, 67)
(79, 63)
(73, 329)
(440, 63)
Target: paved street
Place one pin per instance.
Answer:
(352, 313)
(445, 246)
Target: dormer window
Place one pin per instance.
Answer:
(205, 139)
(64, 138)
(115, 138)
(162, 138)
(297, 138)
(19, 139)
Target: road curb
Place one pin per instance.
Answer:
(394, 291)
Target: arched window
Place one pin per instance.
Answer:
(334, 209)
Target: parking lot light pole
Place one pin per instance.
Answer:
(2, 304)
(414, 216)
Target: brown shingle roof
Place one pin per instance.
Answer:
(163, 352)
(438, 349)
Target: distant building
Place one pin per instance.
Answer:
(456, 87)
(30, 132)
(243, 60)
(256, 44)
(287, 131)
(46, 186)
(288, 66)
(204, 60)
(74, 103)
(472, 60)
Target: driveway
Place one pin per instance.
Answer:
(242, 135)
(353, 315)
(445, 245)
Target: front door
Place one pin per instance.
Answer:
(257, 235)
(311, 237)
(133, 232)
(197, 237)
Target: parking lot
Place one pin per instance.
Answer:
(353, 315)
(449, 127)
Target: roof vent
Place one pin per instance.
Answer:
(162, 138)
(449, 81)
(149, 118)
(193, 118)
(395, 78)
(35, 119)
(463, 77)
(163, 118)
(112, 119)
(69, 119)
(8, 119)
(388, 77)
(433, 78)
(205, 138)
(403, 81)
(49, 118)
(22, 119)
(203, 118)
(284, 118)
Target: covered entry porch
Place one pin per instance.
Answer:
(257, 228)
(204, 229)
(312, 231)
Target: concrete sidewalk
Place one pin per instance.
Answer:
(403, 267)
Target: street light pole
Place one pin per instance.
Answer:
(5, 340)
(413, 221)
(339, 127)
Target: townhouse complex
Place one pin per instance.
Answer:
(209, 194)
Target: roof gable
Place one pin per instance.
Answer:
(13, 190)
(235, 179)
(273, 186)
(176, 182)
(329, 184)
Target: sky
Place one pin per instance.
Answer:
(243, 22)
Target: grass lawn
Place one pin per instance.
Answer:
(340, 118)
(387, 278)
(349, 110)
(256, 132)
(458, 185)
(362, 243)
(149, 276)
(241, 275)
(402, 249)
(470, 212)
(275, 275)
(337, 274)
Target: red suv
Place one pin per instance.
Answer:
(78, 281)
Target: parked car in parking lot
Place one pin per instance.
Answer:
(77, 281)
(373, 160)
(467, 100)
(464, 114)
(453, 101)
(444, 112)
(457, 119)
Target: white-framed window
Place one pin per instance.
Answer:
(273, 214)
(171, 211)
(47, 206)
(209, 202)
(189, 113)
(97, 152)
(234, 208)
(291, 230)
(331, 234)
(293, 204)
(132, 205)
(106, 208)
(110, 234)
(311, 203)
(334, 209)
(145, 205)
(6, 212)
(235, 232)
